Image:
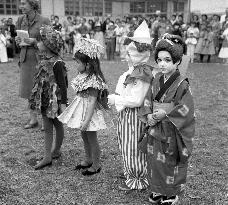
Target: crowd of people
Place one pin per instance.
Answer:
(204, 35)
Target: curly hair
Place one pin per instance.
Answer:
(34, 4)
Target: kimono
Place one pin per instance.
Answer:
(169, 142)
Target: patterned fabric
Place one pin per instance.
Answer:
(84, 81)
(46, 97)
(51, 38)
(169, 142)
(135, 164)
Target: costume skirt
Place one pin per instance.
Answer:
(135, 163)
(75, 114)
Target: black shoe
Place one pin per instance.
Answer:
(42, 166)
(88, 173)
(155, 198)
(30, 126)
(80, 166)
(170, 201)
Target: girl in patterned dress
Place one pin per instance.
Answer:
(49, 92)
(85, 111)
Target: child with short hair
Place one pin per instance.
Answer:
(171, 124)
(85, 111)
(50, 91)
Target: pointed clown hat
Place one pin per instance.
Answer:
(142, 34)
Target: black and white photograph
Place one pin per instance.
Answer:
(113, 102)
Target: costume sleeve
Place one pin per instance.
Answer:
(60, 77)
(182, 117)
(120, 84)
(133, 98)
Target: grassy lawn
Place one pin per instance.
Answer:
(60, 184)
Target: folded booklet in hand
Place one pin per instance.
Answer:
(22, 34)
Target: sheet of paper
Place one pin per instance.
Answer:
(22, 34)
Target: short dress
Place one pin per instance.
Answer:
(76, 112)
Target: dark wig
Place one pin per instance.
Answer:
(172, 44)
(93, 66)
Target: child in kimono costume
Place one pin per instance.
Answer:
(168, 136)
(130, 93)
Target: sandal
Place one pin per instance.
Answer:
(170, 201)
(31, 125)
(88, 173)
(80, 166)
(155, 198)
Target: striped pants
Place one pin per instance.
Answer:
(129, 129)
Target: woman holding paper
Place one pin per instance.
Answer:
(30, 21)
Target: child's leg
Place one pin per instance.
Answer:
(208, 58)
(59, 137)
(48, 139)
(201, 58)
(95, 148)
(88, 153)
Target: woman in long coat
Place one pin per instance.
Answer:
(30, 21)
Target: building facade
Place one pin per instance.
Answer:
(91, 8)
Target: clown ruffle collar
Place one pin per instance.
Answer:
(82, 82)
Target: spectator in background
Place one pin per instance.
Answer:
(69, 34)
(173, 19)
(155, 28)
(180, 20)
(110, 42)
(224, 50)
(196, 20)
(11, 34)
(98, 31)
(84, 30)
(191, 41)
(204, 19)
(177, 29)
(3, 52)
(216, 27)
(223, 17)
(57, 26)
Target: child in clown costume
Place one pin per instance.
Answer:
(131, 90)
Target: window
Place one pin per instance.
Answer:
(9, 7)
(108, 7)
(86, 7)
(178, 6)
(156, 5)
(72, 7)
(137, 7)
